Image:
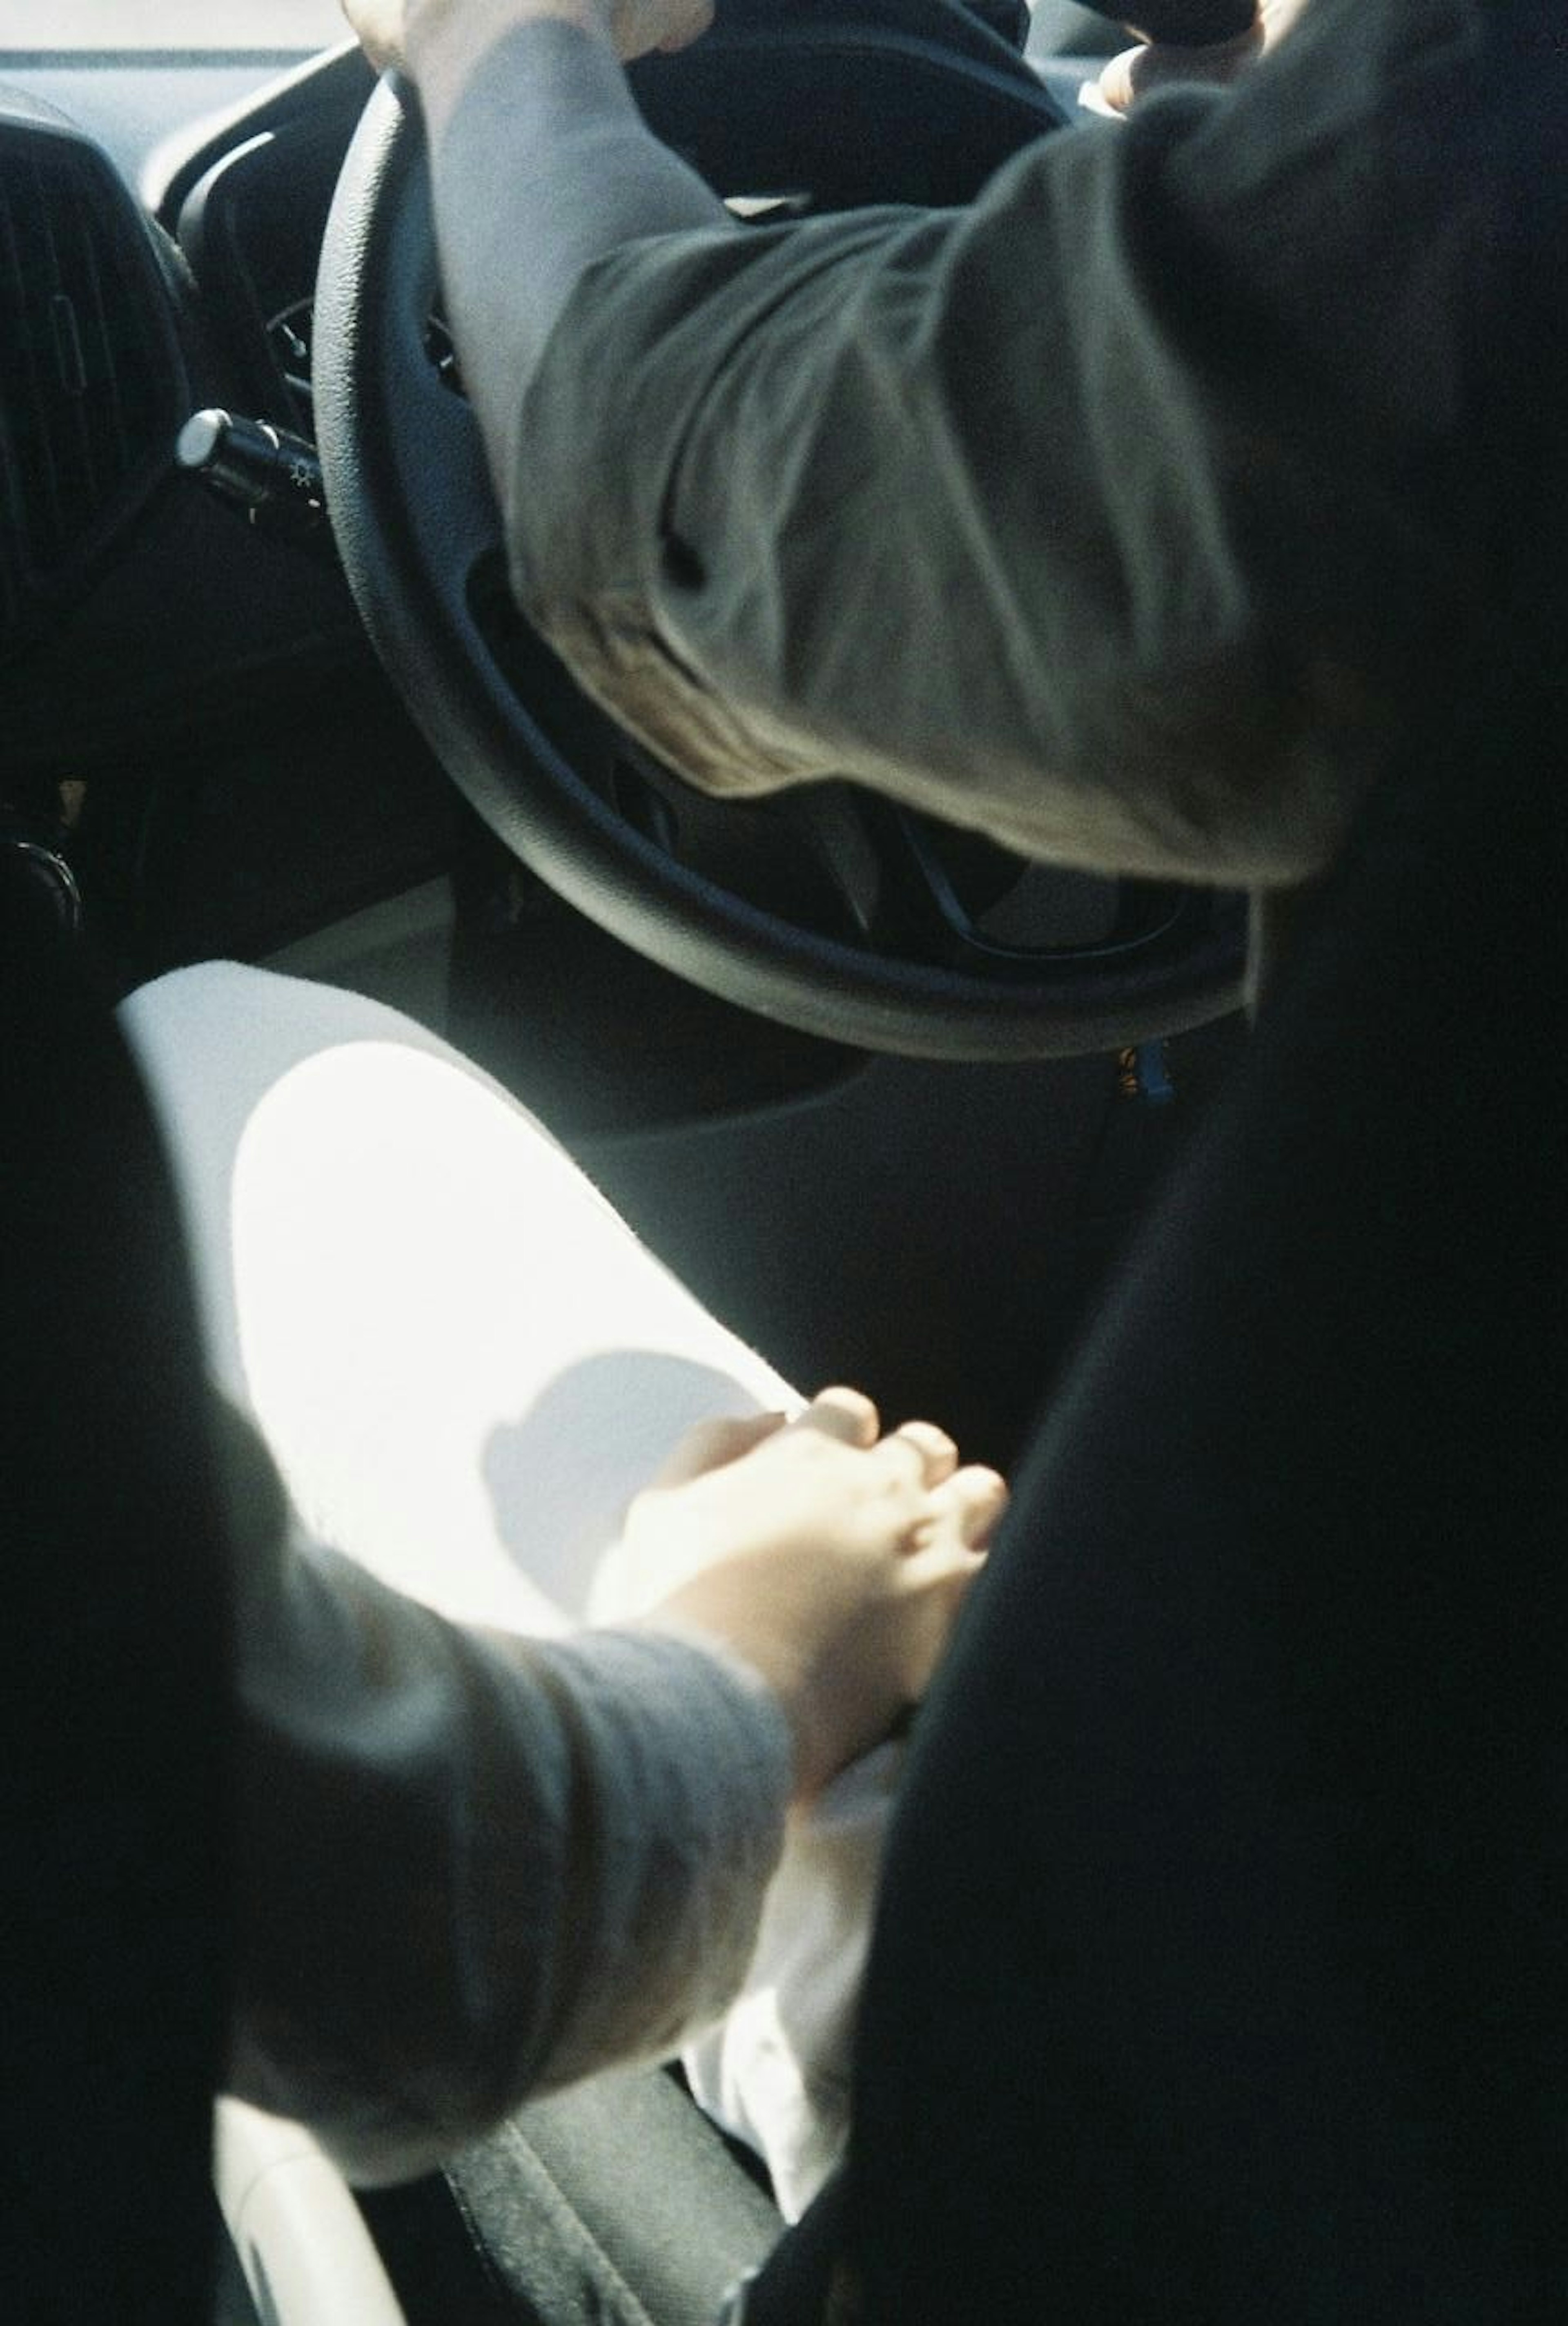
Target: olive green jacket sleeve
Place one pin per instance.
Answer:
(1118, 514)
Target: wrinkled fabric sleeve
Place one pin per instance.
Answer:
(1111, 514)
(469, 1867)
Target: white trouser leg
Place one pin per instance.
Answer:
(464, 1364)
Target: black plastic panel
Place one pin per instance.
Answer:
(91, 383)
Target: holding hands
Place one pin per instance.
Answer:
(831, 1557)
(398, 32)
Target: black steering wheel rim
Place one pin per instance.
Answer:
(418, 530)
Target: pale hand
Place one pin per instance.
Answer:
(1162, 64)
(396, 32)
(831, 1558)
(377, 25)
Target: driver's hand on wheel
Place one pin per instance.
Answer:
(397, 32)
(831, 1556)
(1165, 64)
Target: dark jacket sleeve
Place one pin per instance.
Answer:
(469, 1866)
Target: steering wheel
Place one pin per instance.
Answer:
(887, 939)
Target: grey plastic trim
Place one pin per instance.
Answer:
(307, 2256)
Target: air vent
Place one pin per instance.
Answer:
(87, 374)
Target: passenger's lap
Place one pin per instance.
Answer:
(464, 1364)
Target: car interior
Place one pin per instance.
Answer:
(893, 1102)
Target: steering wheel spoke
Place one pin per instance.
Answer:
(442, 476)
(919, 891)
(462, 525)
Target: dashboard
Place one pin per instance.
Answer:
(188, 709)
(94, 376)
(138, 274)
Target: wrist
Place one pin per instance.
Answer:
(766, 1661)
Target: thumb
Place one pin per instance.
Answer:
(713, 1445)
(1161, 64)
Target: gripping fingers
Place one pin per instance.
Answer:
(972, 1500)
(919, 1448)
(688, 23)
(959, 1516)
(922, 1447)
(845, 1414)
(713, 1445)
(936, 1580)
(637, 27)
